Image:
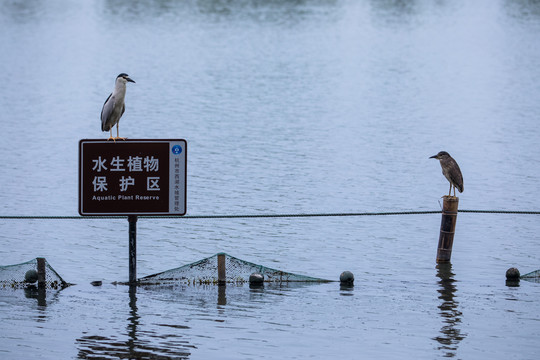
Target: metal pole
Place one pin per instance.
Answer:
(448, 227)
(132, 219)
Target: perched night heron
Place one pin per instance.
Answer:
(114, 106)
(450, 170)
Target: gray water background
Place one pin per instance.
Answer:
(287, 107)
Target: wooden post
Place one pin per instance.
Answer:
(222, 276)
(132, 249)
(448, 226)
(41, 273)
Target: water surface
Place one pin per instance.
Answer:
(287, 107)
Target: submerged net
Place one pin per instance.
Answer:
(533, 276)
(205, 271)
(20, 276)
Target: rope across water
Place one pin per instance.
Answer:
(247, 216)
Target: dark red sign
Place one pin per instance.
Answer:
(132, 177)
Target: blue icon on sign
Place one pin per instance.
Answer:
(176, 149)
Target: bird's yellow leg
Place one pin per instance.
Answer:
(118, 132)
(111, 137)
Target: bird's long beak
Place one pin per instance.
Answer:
(128, 79)
(433, 157)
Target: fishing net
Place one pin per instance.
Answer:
(533, 276)
(22, 275)
(205, 271)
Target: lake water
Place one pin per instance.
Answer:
(318, 106)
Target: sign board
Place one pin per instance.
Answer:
(132, 177)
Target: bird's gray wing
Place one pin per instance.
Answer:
(455, 175)
(106, 113)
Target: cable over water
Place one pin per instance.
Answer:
(247, 216)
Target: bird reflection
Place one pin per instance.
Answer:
(450, 333)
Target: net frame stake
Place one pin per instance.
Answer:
(222, 275)
(132, 219)
(448, 227)
(41, 272)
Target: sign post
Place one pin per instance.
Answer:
(132, 219)
(132, 178)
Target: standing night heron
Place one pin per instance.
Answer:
(450, 170)
(114, 106)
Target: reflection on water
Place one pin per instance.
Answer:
(144, 338)
(22, 11)
(523, 9)
(222, 295)
(394, 8)
(346, 289)
(38, 293)
(450, 334)
(280, 11)
(291, 106)
(133, 320)
(42, 296)
(139, 343)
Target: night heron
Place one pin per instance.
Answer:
(114, 106)
(450, 170)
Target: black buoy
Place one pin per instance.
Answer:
(31, 276)
(512, 274)
(346, 278)
(256, 278)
